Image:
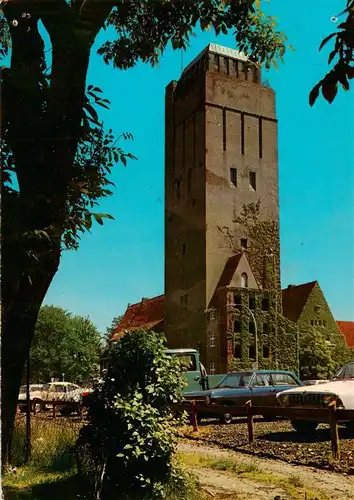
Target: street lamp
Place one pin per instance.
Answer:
(255, 327)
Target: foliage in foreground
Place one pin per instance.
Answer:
(129, 443)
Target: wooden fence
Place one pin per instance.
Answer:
(330, 415)
(76, 406)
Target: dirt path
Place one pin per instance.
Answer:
(271, 478)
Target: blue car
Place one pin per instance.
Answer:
(236, 388)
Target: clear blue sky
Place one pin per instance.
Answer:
(124, 261)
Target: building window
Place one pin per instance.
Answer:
(217, 62)
(212, 339)
(252, 351)
(237, 299)
(253, 180)
(244, 280)
(238, 351)
(184, 300)
(178, 189)
(189, 182)
(237, 327)
(212, 368)
(212, 315)
(311, 322)
(235, 67)
(265, 304)
(252, 302)
(244, 243)
(251, 327)
(184, 249)
(265, 351)
(233, 176)
(226, 65)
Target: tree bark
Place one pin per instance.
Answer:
(42, 126)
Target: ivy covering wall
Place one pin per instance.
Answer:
(322, 346)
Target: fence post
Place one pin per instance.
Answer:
(194, 416)
(250, 421)
(334, 430)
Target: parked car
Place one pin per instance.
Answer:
(236, 388)
(339, 389)
(346, 372)
(314, 382)
(35, 391)
(59, 391)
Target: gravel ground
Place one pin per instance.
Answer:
(279, 440)
(270, 480)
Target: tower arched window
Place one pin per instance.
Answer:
(244, 280)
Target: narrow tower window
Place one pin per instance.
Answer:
(253, 180)
(244, 280)
(226, 65)
(244, 243)
(260, 137)
(212, 339)
(189, 181)
(184, 249)
(233, 176)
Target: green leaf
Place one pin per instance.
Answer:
(99, 217)
(329, 90)
(314, 94)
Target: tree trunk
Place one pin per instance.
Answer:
(22, 295)
(44, 145)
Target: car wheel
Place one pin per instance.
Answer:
(226, 418)
(304, 426)
(38, 405)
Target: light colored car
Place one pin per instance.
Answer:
(314, 382)
(35, 391)
(59, 391)
(339, 389)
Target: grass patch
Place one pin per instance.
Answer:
(52, 440)
(292, 486)
(31, 484)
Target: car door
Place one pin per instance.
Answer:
(237, 390)
(262, 390)
(282, 382)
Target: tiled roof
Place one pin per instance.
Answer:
(147, 314)
(294, 299)
(347, 329)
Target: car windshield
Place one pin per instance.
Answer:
(346, 371)
(188, 362)
(235, 380)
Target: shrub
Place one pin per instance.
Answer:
(127, 448)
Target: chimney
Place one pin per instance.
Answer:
(291, 286)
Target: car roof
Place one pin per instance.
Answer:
(181, 351)
(262, 372)
(61, 383)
